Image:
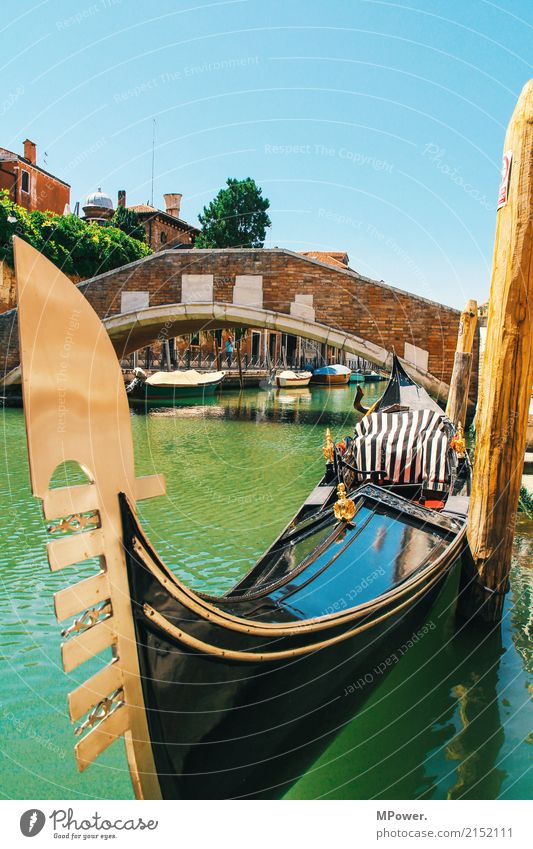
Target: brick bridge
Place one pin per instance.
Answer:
(181, 291)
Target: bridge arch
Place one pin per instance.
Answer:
(130, 331)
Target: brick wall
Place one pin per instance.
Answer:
(341, 299)
(172, 235)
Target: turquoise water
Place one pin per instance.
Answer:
(453, 719)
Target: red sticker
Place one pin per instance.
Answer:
(503, 193)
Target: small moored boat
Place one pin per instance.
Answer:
(334, 375)
(373, 377)
(293, 379)
(165, 388)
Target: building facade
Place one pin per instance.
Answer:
(29, 185)
(164, 229)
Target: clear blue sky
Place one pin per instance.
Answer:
(373, 127)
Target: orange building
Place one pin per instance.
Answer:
(29, 185)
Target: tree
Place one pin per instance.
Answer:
(236, 218)
(128, 221)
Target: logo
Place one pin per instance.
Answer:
(32, 822)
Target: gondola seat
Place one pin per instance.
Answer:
(403, 448)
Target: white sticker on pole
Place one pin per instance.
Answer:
(503, 193)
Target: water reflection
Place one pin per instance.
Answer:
(476, 746)
(334, 407)
(453, 718)
(432, 730)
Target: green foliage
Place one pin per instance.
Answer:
(128, 221)
(76, 247)
(236, 218)
(525, 502)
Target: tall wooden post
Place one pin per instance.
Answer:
(166, 349)
(239, 363)
(507, 376)
(457, 405)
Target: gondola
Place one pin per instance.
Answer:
(231, 696)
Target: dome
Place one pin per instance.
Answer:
(99, 198)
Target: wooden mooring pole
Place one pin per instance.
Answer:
(239, 363)
(507, 377)
(456, 408)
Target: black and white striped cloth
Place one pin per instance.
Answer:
(411, 447)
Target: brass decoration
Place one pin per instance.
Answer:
(76, 522)
(458, 442)
(87, 620)
(101, 710)
(344, 508)
(328, 448)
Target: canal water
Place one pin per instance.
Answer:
(453, 718)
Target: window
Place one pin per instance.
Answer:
(25, 181)
(163, 237)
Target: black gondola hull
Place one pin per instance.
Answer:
(227, 728)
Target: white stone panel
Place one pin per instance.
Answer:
(303, 307)
(417, 356)
(130, 301)
(248, 290)
(196, 288)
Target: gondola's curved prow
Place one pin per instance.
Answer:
(401, 391)
(76, 409)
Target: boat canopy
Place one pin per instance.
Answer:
(334, 369)
(406, 446)
(183, 378)
(294, 375)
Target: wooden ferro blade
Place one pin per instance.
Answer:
(76, 409)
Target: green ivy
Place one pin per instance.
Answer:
(78, 248)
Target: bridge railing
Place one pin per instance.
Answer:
(206, 362)
(201, 361)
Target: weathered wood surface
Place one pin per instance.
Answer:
(506, 381)
(457, 405)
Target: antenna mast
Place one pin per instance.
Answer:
(153, 159)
